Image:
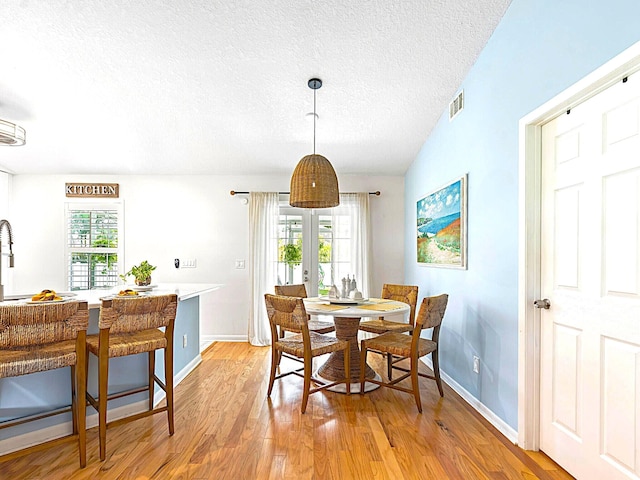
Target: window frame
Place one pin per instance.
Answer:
(118, 206)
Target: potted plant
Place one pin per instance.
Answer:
(292, 254)
(141, 273)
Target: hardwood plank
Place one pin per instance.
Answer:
(226, 428)
(386, 455)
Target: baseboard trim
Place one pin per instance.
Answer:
(478, 406)
(223, 338)
(26, 440)
(188, 368)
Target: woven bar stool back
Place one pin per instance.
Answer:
(129, 326)
(41, 337)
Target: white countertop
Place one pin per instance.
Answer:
(183, 290)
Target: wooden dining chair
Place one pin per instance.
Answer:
(410, 346)
(300, 291)
(289, 313)
(319, 326)
(42, 337)
(400, 293)
(128, 326)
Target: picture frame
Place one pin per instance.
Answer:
(441, 226)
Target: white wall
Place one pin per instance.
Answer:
(5, 190)
(190, 217)
(5, 213)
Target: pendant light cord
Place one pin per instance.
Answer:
(314, 121)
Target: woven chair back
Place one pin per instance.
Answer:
(32, 325)
(430, 316)
(126, 315)
(286, 312)
(295, 290)
(402, 293)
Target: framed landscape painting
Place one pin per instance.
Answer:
(441, 226)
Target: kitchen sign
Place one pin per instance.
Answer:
(92, 190)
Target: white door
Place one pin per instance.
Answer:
(590, 350)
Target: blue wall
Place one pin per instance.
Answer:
(540, 48)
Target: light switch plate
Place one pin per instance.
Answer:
(240, 264)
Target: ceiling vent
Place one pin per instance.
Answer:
(456, 105)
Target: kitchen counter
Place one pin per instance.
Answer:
(184, 291)
(44, 391)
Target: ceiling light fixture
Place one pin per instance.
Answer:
(12, 134)
(314, 183)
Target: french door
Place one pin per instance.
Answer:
(320, 247)
(304, 248)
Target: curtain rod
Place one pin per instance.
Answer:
(233, 192)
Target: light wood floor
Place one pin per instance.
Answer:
(226, 428)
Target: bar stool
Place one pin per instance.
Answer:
(128, 326)
(37, 338)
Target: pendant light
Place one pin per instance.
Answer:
(12, 134)
(314, 183)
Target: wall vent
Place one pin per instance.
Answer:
(456, 105)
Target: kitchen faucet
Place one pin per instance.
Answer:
(5, 223)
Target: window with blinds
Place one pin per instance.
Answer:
(93, 244)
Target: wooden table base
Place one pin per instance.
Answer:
(333, 369)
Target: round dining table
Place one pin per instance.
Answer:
(346, 316)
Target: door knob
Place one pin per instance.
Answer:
(544, 303)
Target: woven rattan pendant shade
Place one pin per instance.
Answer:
(314, 183)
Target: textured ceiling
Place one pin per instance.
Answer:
(206, 86)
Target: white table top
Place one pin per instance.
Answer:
(314, 306)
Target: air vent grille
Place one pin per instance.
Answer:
(456, 105)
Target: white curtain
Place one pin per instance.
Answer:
(351, 249)
(263, 258)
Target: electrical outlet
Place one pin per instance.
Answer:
(476, 364)
(240, 264)
(184, 341)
